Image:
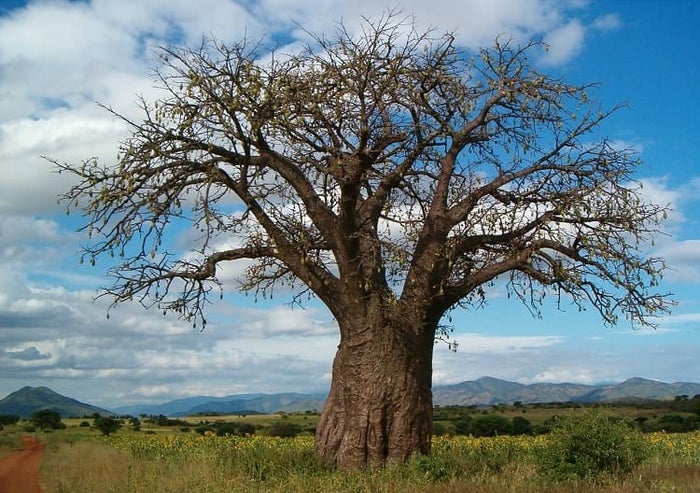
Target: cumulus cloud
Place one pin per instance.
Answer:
(564, 43)
(682, 254)
(566, 40)
(50, 334)
(30, 353)
(478, 343)
(683, 259)
(607, 22)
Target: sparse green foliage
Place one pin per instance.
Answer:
(590, 445)
(46, 419)
(9, 419)
(521, 426)
(246, 429)
(107, 425)
(491, 425)
(284, 429)
(135, 423)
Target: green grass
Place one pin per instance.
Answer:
(80, 460)
(10, 439)
(165, 459)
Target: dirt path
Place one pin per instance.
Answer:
(19, 472)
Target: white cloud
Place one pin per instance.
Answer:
(607, 22)
(683, 259)
(566, 373)
(477, 343)
(15, 230)
(285, 321)
(681, 318)
(29, 184)
(564, 42)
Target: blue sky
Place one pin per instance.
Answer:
(57, 58)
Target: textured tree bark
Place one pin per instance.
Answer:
(379, 409)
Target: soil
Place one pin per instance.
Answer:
(19, 472)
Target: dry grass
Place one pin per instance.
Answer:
(94, 468)
(137, 463)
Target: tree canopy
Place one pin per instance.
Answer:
(391, 174)
(46, 418)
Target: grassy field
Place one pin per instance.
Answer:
(79, 459)
(132, 462)
(177, 459)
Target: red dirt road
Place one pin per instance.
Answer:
(19, 472)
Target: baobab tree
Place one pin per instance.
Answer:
(392, 175)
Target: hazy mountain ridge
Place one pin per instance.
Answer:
(484, 391)
(28, 400)
(176, 407)
(489, 391)
(232, 404)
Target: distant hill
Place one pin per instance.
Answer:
(484, 391)
(232, 404)
(640, 388)
(175, 407)
(490, 391)
(28, 400)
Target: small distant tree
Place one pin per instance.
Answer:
(463, 426)
(46, 419)
(491, 425)
(284, 429)
(695, 404)
(135, 423)
(9, 419)
(246, 429)
(223, 429)
(107, 425)
(521, 426)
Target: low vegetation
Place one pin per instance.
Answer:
(582, 450)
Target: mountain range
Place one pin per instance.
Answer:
(28, 400)
(490, 391)
(484, 391)
(232, 404)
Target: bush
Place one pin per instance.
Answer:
(223, 429)
(521, 426)
(439, 429)
(246, 429)
(46, 419)
(491, 425)
(202, 429)
(463, 426)
(135, 423)
(591, 445)
(284, 430)
(107, 425)
(9, 419)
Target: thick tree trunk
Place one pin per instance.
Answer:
(379, 409)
